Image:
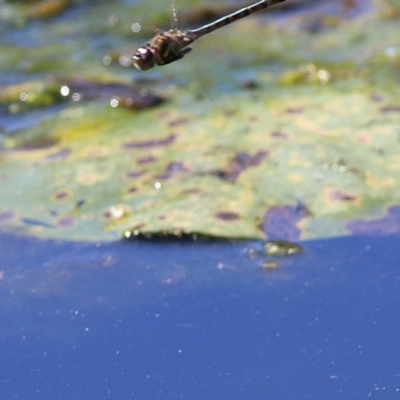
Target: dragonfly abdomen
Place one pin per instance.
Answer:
(228, 19)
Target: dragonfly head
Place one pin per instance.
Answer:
(144, 58)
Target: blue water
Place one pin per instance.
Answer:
(156, 320)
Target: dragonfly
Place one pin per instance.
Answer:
(172, 45)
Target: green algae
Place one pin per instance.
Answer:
(298, 140)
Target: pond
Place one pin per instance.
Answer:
(185, 320)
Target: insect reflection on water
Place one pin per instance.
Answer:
(169, 46)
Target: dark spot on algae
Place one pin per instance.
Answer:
(389, 223)
(125, 95)
(254, 118)
(61, 154)
(80, 203)
(178, 121)
(150, 143)
(250, 84)
(389, 109)
(240, 162)
(61, 195)
(44, 141)
(134, 174)
(227, 216)
(279, 134)
(171, 169)
(245, 160)
(191, 191)
(337, 195)
(376, 97)
(294, 110)
(107, 214)
(281, 222)
(147, 160)
(135, 103)
(163, 114)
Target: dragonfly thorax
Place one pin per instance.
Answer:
(165, 47)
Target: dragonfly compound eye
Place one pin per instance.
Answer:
(144, 58)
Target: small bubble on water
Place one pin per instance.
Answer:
(114, 103)
(76, 97)
(112, 19)
(107, 60)
(391, 51)
(323, 76)
(143, 93)
(136, 27)
(124, 61)
(64, 90)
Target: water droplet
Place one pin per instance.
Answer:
(281, 248)
(107, 60)
(114, 103)
(76, 97)
(270, 265)
(117, 212)
(136, 27)
(64, 90)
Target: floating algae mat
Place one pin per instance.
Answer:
(300, 138)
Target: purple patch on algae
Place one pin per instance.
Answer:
(280, 223)
(6, 216)
(390, 223)
(66, 221)
(240, 163)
